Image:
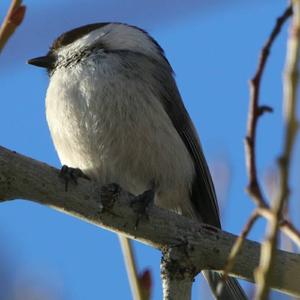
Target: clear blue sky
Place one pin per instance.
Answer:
(213, 48)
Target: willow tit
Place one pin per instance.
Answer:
(115, 112)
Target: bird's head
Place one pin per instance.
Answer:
(104, 37)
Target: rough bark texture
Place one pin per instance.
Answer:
(177, 273)
(205, 247)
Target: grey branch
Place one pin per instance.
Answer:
(203, 247)
(177, 273)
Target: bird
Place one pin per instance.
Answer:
(115, 112)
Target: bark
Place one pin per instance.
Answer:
(204, 247)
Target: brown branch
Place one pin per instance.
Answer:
(255, 111)
(13, 19)
(291, 231)
(235, 250)
(286, 227)
(264, 270)
(137, 290)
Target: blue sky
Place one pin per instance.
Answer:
(213, 48)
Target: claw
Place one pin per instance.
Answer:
(109, 193)
(141, 203)
(71, 175)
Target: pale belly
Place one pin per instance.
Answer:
(121, 139)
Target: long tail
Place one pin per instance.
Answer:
(231, 289)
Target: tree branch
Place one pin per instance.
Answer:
(206, 247)
(177, 273)
(131, 268)
(265, 268)
(13, 19)
(256, 111)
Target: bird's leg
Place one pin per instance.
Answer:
(109, 193)
(141, 203)
(71, 175)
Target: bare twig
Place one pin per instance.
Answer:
(285, 226)
(290, 230)
(239, 243)
(264, 270)
(131, 268)
(13, 19)
(255, 111)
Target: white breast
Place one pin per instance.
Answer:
(115, 130)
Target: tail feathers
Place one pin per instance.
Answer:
(231, 288)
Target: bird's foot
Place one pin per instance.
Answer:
(109, 193)
(71, 175)
(141, 203)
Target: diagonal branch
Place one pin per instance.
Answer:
(137, 290)
(12, 20)
(206, 247)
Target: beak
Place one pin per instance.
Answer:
(43, 61)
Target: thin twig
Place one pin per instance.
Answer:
(13, 19)
(286, 227)
(264, 270)
(131, 268)
(239, 243)
(255, 111)
(290, 230)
